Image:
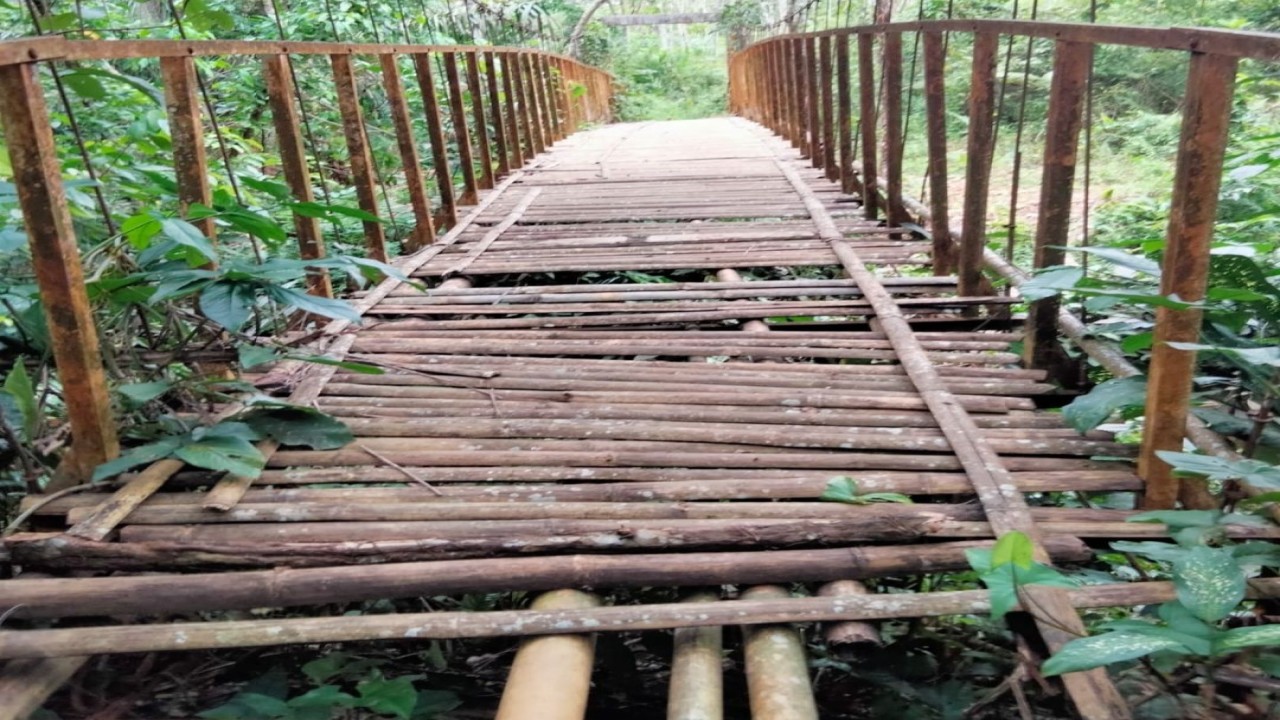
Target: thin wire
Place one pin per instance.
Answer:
(1017, 144)
(911, 83)
(1088, 164)
(1004, 81)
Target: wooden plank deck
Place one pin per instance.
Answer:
(550, 404)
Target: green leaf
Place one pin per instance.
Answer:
(251, 223)
(313, 209)
(188, 235)
(432, 703)
(145, 391)
(1209, 582)
(249, 706)
(1091, 652)
(223, 454)
(328, 697)
(1163, 551)
(358, 367)
(293, 425)
(251, 356)
(1245, 637)
(18, 384)
(841, 489)
(137, 456)
(327, 307)
(278, 191)
(228, 303)
(395, 697)
(1050, 282)
(139, 229)
(323, 668)
(1119, 257)
(1092, 409)
(1013, 547)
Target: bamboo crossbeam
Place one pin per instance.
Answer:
(508, 623)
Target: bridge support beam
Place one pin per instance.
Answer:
(1206, 121)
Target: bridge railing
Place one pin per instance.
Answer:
(503, 106)
(801, 86)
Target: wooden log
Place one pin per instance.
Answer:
(182, 107)
(1072, 65)
(481, 125)
(1206, 119)
(55, 257)
(293, 162)
(507, 623)
(358, 155)
(697, 677)
(435, 129)
(867, 123)
(981, 145)
(284, 587)
(423, 232)
(25, 685)
(461, 136)
(777, 665)
(936, 131)
(551, 675)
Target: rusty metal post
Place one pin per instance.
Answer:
(697, 675)
(981, 144)
(935, 110)
(461, 136)
(530, 96)
(809, 71)
(844, 119)
(512, 116)
(423, 233)
(1072, 62)
(435, 129)
(293, 160)
(182, 105)
(1206, 116)
(828, 110)
(481, 123)
(867, 124)
(796, 99)
(892, 69)
(55, 257)
(495, 109)
(344, 80)
(545, 117)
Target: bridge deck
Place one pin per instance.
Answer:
(553, 404)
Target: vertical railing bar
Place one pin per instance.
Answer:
(191, 169)
(844, 102)
(828, 111)
(1071, 64)
(481, 122)
(980, 145)
(1206, 120)
(510, 71)
(892, 70)
(55, 257)
(471, 189)
(293, 161)
(423, 233)
(936, 137)
(360, 160)
(531, 99)
(435, 131)
(867, 124)
(495, 108)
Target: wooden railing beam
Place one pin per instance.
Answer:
(981, 145)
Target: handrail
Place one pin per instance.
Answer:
(783, 82)
(527, 100)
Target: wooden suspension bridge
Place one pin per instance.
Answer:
(546, 426)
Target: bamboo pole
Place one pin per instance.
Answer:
(26, 684)
(697, 678)
(851, 632)
(777, 665)
(551, 675)
(286, 587)
(508, 623)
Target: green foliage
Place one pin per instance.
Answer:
(661, 83)
(341, 684)
(1010, 566)
(1090, 410)
(844, 489)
